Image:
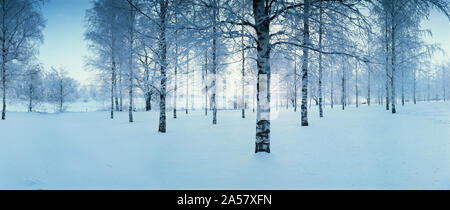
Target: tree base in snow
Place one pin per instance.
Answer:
(262, 147)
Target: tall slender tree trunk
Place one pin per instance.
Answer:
(235, 98)
(387, 91)
(120, 92)
(30, 102)
(320, 62)
(224, 95)
(403, 88)
(387, 60)
(147, 92)
(306, 41)
(202, 88)
(214, 64)
(368, 86)
(130, 107)
(148, 102)
(243, 72)
(254, 96)
(332, 89)
(356, 87)
(295, 80)
(380, 98)
(175, 91)
(206, 82)
(414, 87)
(116, 99)
(163, 63)
(61, 97)
(347, 92)
(3, 63)
(277, 91)
(393, 66)
(113, 76)
(343, 87)
(131, 68)
(260, 13)
(286, 95)
(187, 83)
(214, 67)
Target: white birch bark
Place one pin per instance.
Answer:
(163, 64)
(260, 14)
(320, 62)
(306, 41)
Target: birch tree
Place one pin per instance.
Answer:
(21, 26)
(104, 32)
(30, 87)
(60, 89)
(399, 16)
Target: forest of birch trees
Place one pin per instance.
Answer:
(245, 55)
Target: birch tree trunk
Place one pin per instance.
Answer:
(130, 106)
(414, 87)
(175, 91)
(113, 67)
(3, 93)
(163, 63)
(113, 81)
(30, 103)
(224, 95)
(343, 87)
(320, 62)
(243, 72)
(332, 89)
(147, 92)
(254, 96)
(380, 95)
(120, 92)
(148, 103)
(206, 82)
(3, 64)
(131, 70)
(306, 41)
(393, 30)
(214, 67)
(368, 86)
(277, 91)
(387, 60)
(116, 98)
(356, 86)
(235, 97)
(260, 13)
(187, 83)
(403, 88)
(295, 80)
(61, 97)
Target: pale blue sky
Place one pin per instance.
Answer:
(64, 45)
(440, 27)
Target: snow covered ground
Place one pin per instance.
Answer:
(365, 148)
